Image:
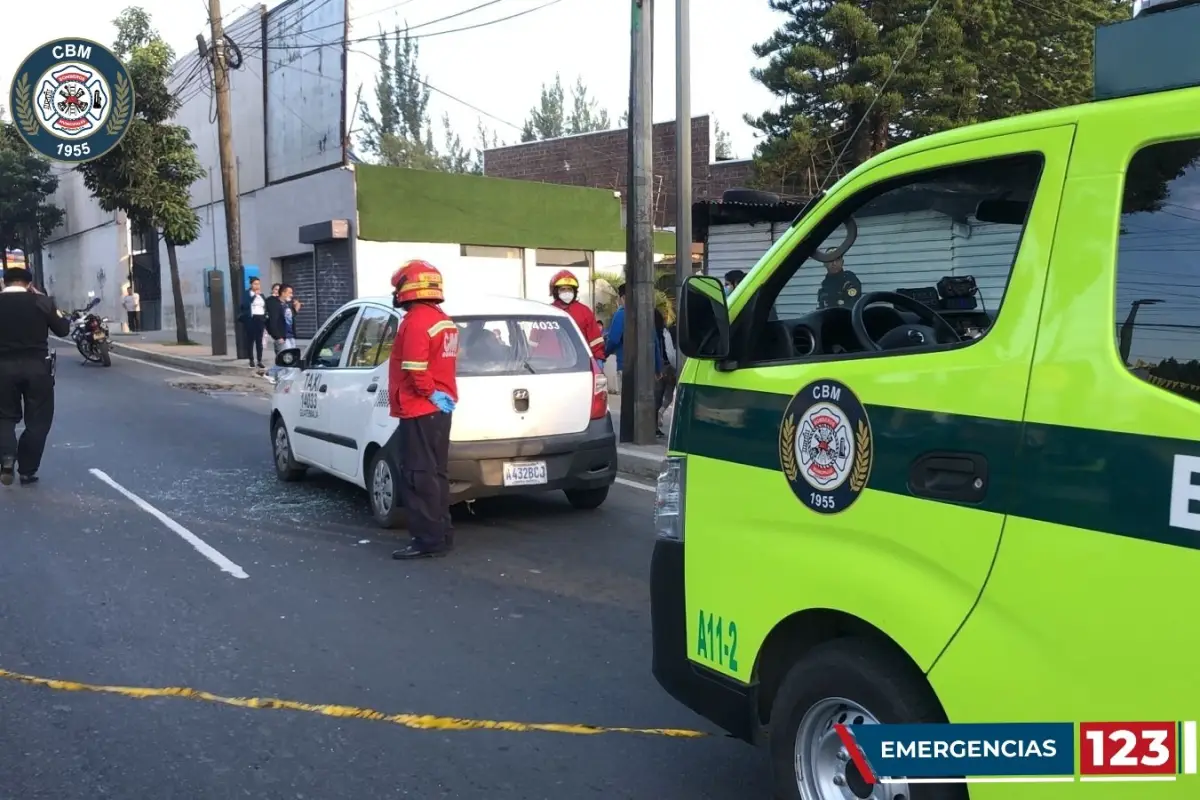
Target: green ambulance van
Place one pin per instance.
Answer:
(971, 491)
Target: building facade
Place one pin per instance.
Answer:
(601, 160)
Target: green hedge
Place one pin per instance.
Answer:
(409, 205)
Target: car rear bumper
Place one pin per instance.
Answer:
(718, 698)
(584, 460)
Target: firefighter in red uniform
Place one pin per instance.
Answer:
(422, 393)
(564, 288)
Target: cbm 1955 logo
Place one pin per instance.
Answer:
(72, 100)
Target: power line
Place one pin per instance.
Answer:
(418, 25)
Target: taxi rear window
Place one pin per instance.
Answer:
(525, 345)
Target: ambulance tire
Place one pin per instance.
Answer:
(865, 673)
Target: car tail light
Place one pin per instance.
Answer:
(599, 392)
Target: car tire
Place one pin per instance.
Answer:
(383, 490)
(844, 681)
(587, 499)
(286, 466)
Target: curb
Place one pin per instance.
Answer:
(179, 362)
(631, 462)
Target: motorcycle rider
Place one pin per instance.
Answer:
(422, 392)
(564, 289)
(27, 318)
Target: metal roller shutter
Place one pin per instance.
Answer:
(298, 272)
(335, 279)
(739, 246)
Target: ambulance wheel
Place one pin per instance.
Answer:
(383, 490)
(587, 499)
(286, 466)
(855, 682)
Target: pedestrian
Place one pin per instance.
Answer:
(254, 317)
(733, 278)
(422, 394)
(564, 294)
(281, 319)
(132, 301)
(664, 384)
(614, 342)
(27, 318)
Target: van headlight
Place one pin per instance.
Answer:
(668, 499)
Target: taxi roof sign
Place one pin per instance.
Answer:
(1153, 52)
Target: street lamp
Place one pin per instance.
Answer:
(1127, 328)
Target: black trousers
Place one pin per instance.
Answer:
(255, 328)
(421, 448)
(26, 391)
(135, 321)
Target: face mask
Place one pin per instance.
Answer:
(566, 297)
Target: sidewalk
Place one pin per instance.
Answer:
(160, 347)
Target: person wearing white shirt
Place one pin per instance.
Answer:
(132, 301)
(254, 315)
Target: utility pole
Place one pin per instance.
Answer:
(638, 415)
(683, 155)
(229, 182)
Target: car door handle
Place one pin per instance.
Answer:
(323, 388)
(372, 388)
(949, 475)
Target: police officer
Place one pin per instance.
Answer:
(27, 317)
(839, 287)
(423, 392)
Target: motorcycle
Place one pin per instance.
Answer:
(90, 333)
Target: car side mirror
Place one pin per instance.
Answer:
(704, 319)
(288, 358)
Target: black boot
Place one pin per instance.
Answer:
(8, 465)
(415, 551)
(28, 480)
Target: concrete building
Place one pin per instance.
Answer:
(601, 160)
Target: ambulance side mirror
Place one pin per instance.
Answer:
(704, 319)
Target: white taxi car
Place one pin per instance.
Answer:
(532, 410)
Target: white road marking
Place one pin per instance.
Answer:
(195, 541)
(144, 361)
(636, 485)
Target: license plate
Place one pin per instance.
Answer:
(524, 473)
(98, 335)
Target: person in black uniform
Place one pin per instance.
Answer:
(839, 287)
(27, 318)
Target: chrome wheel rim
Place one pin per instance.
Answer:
(282, 449)
(824, 769)
(382, 490)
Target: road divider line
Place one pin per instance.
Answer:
(425, 722)
(195, 541)
(645, 487)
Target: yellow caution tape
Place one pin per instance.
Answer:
(424, 722)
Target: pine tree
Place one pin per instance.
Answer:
(400, 133)
(547, 120)
(722, 143)
(586, 114)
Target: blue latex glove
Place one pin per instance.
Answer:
(600, 364)
(443, 401)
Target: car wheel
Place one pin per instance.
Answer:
(587, 499)
(855, 682)
(383, 490)
(286, 466)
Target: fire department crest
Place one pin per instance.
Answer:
(825, 446)
(72, 100)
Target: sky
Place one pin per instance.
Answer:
(499, 69)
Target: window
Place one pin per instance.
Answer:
(945, 241)
(1158, 277)
(517, 346)
(326, 350)
(564, 258)
(367, 352)
(490, 251)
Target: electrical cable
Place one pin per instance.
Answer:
(419, 24)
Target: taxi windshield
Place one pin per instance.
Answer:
(507, 345)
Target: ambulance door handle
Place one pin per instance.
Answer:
(949, 475)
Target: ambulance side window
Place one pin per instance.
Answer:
(947, 238)
(1158, 267)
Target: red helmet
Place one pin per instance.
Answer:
(563, 279)
(418, 280)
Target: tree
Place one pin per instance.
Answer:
(624, 120)
(400, 132)
(547, 120)
(150, 174)
(586, 114)
(456, 158)
(488, 140)
(724, 145)
(134, 30)
(27, 182)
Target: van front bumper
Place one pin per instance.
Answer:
(584, 460)
(719, 699)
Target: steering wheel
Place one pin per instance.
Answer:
(935, 330)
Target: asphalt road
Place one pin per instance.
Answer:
(541, 615)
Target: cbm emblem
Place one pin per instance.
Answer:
(825, 446)
(72, 100)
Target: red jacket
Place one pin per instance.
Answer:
(423, 360)
(586, 320)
